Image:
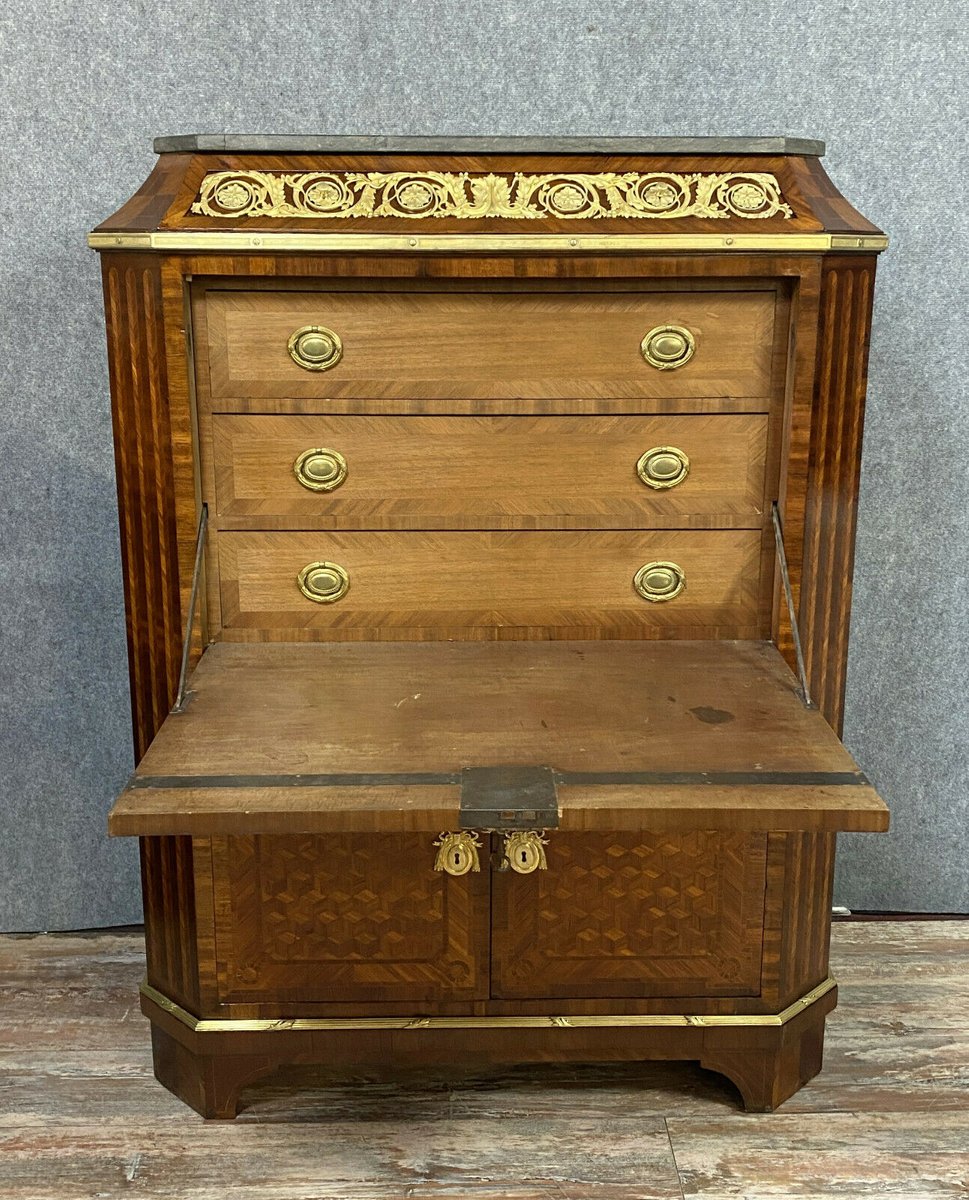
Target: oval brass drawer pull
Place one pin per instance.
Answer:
(659, 581)
(668, 346)
(315, 348)
(323, 582)
(663, 467)
(320, 470)
(457, 853)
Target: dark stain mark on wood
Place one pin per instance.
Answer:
(712, 716)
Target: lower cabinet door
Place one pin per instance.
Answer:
(347, 917)
(632, 914)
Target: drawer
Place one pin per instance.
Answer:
(489, 472)
(450, 345)
(473, 584)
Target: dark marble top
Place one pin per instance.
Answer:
(315, 143)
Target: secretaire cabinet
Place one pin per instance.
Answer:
(487, 512)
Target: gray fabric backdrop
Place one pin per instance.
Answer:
(86, 85)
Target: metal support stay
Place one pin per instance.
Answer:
(789, 595)
(192, 604)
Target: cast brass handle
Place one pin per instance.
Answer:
(663, 467)
(315, 348)
(668, 346)
(659, 581)
(320, 470)
(457, 853)
(525, 851)
(323, 582)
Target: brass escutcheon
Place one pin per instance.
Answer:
(320, 470)
(525, 851)
(315, 348)
(323, 582)
(668, 346)
(659, 581)
(457, 853)
(663, 467)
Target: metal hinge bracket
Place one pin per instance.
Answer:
(192, 605)
(789, 596)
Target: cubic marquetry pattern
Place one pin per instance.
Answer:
(338, 900)
(679, 906)
(315, 914)
(670, 887)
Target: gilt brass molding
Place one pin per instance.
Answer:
(416, 195)
(619, 1020)
(174, 240)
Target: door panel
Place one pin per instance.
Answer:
(633, 914)
(351, 917)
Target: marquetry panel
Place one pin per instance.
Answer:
(445, 581)
(490, 472)
(346, 917)
(459, 344)
(675, 914)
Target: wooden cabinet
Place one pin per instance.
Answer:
(462, 469)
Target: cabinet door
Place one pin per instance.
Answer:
(633, 915)
(346, 917)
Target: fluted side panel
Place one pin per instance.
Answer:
(833, 477)
(143, 456)
(797, 920)
(168, 880)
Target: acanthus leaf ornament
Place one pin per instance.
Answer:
(417, 195)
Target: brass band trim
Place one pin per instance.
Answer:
(658, 1020)
(273, 242)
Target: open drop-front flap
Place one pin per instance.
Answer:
(374, 737)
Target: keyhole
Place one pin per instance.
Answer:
(457, 858)
(524, 856)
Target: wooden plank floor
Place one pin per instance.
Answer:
(81, 1115)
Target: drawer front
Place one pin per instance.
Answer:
(633, 915)
(417, 345)
(348, 917)
(372, 472)
(473, 584)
